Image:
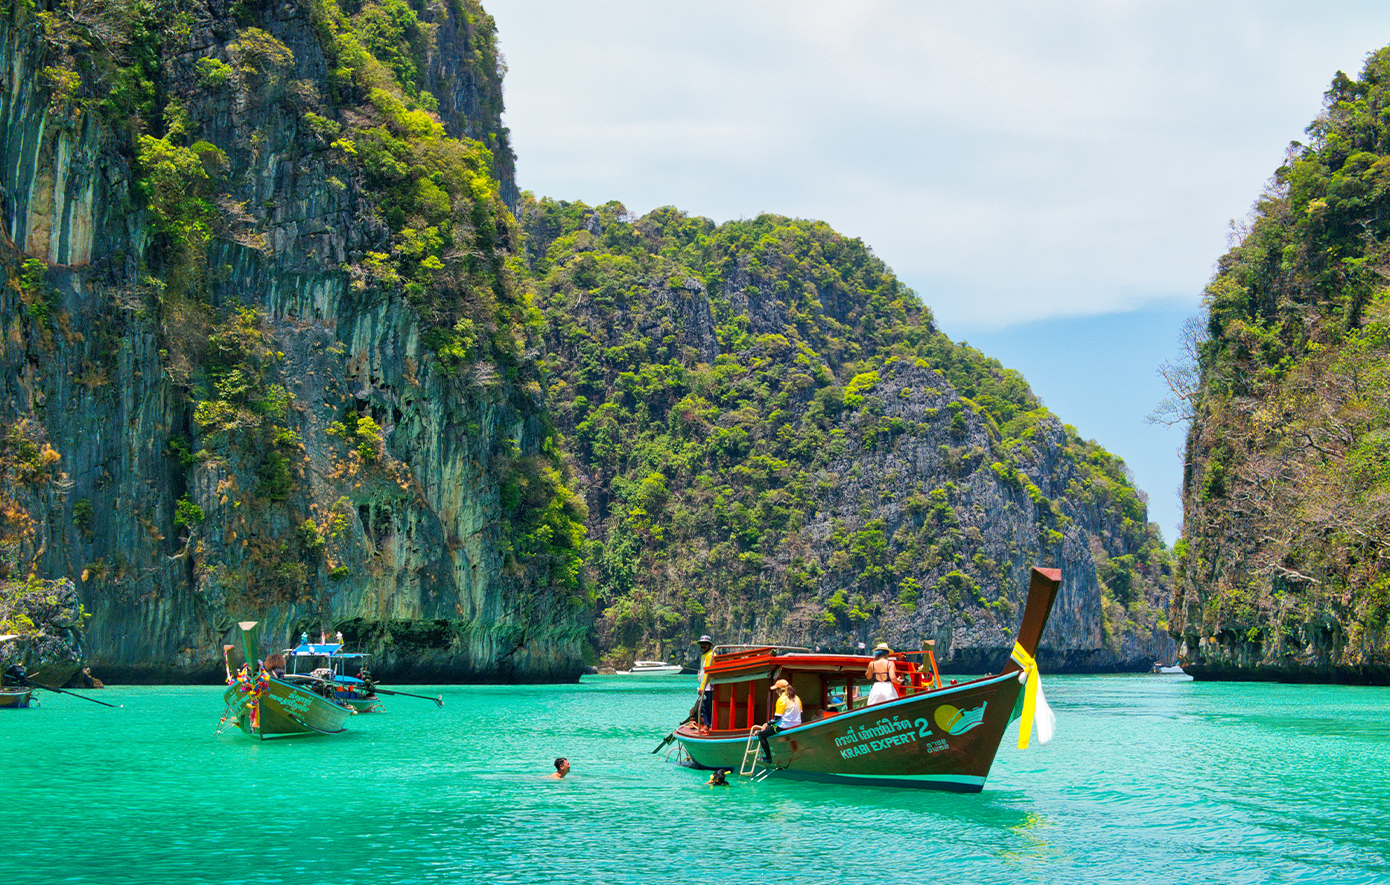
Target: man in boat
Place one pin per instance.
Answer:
(705, 689)
(883, 673)
(562, 768)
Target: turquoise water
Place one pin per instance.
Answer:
(1150, 779)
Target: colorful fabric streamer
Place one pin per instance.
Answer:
(1034, 703)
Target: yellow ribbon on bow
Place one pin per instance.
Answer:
(1034, 703)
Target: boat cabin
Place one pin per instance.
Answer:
(826, 684)
(324, 661)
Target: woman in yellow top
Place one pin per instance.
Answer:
(786, 714)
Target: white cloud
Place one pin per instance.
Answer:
(1010, 160)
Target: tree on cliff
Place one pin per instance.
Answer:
(1286, 567)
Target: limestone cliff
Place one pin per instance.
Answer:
(262, 301)
(777, 445)
(1285, 569)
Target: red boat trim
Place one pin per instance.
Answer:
(875, 710)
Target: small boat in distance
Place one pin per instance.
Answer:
(15, 696)
(651, 668)
(309, 663)
(265, 707)
(932, 735)
(17, 693)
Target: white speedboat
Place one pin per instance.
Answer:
(651, 668)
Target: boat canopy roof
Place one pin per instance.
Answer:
(758, 663)
(329, 650)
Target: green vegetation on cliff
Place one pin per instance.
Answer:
(299, 319)
(777, 443)
(1286, 565)
(275, 298)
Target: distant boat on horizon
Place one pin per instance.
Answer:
(651, 668)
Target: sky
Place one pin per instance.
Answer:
(1055, 180)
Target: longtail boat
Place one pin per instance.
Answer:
(16, 695)
(934, 735)
(309, 663)
(265, 707)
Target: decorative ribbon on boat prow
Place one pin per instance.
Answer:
(1034, 704)
(245, 684)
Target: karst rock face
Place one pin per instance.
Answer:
(260, 302)
(778, 446)
(1285, 564)
(277, 349)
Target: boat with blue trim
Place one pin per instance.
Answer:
(15, 697)
(264, 705)
(934, 735)
(17, 693)
(344, 672)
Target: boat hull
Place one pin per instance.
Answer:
(346, 690)
(939, 740)
(15, 698)
(937, 737)
(368, 704)
(285, 710)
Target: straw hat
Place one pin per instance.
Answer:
(882, 649)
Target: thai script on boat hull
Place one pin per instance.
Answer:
(295, 703)
(888, 733)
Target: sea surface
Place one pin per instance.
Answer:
(1153, 779)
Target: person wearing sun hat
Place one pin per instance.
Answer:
(705, 691)
(883, 673)
(787, 714)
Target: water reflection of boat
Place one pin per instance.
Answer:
(933, 736)
(326, 662)
(265, 707)
(651, 668)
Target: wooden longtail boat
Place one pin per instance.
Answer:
(934, 736)
(265, 707)
(309, 663)
(14, 697)
(18, 692)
